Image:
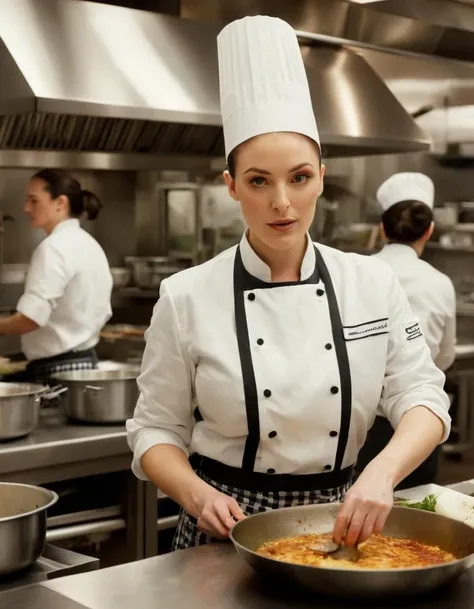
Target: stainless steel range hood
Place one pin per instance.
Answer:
(85, 76)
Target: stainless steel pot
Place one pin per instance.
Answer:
(20, 407)
(13, 273)
(149, 272)
(100, 396)
(121, 276)
(22, 524)
(427, 527)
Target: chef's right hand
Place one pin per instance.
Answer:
(217, 513)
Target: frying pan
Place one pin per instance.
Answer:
(427, 527)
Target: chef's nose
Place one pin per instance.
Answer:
(280, 202)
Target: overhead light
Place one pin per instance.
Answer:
(365, 1)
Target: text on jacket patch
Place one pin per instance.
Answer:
(366, 329)
(413, 331)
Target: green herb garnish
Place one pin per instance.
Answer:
(428, 504)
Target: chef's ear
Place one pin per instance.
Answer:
(230, 183)
(62, 203)
(429, 232)
(322, 171)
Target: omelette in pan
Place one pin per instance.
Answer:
(378, 552)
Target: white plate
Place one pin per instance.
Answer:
(453, 504)
(418, 493)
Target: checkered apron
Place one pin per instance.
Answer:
(43, 370)
(188, 535)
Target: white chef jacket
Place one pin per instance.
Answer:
(191, 360)
(67, 293)
(432, 297)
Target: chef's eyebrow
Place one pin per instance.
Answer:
(267, 173)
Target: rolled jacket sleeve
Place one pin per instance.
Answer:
(46, 282)
(411, 377)
(164, 411)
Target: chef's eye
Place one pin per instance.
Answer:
(301, 178)
(258, 181)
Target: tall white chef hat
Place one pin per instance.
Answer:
(406, 186)
(263, 82)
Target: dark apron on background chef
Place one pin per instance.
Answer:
(43, 370)
(258, 492)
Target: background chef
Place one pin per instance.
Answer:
(267, 363)
(68, 287)
(407, 200)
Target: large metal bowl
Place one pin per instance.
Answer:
(426, 527)
(22, 524)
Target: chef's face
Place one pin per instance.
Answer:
(44, 211)
(277, 180)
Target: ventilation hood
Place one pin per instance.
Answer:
(85, 76)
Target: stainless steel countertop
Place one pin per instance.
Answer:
(56, 442)
(216, 577)
(212, 576)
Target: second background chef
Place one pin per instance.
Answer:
(407, 201)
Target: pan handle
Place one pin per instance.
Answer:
(53, 392)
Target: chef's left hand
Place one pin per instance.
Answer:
(365, 509)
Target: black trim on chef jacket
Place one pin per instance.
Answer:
(243, 282)
(267, 483)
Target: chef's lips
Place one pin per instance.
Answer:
(282, 224)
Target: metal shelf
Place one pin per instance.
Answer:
(453, 248)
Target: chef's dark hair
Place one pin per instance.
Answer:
(59, 182)
(232, 159)
(407, 221)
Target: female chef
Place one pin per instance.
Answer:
(407, 200)
(67, 293)
(267, 363)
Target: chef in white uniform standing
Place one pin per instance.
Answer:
(266, 364)
(68, 287)
(407, 201)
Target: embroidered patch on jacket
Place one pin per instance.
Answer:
(413, 331)
(366, 329)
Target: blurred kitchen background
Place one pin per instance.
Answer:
(393, 89)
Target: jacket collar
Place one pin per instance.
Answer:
(400, 250)
(256, 267)
(65, 225)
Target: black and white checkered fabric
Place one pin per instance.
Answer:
(188, 535)
(43, 370)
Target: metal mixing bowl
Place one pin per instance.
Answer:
(22, 524)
